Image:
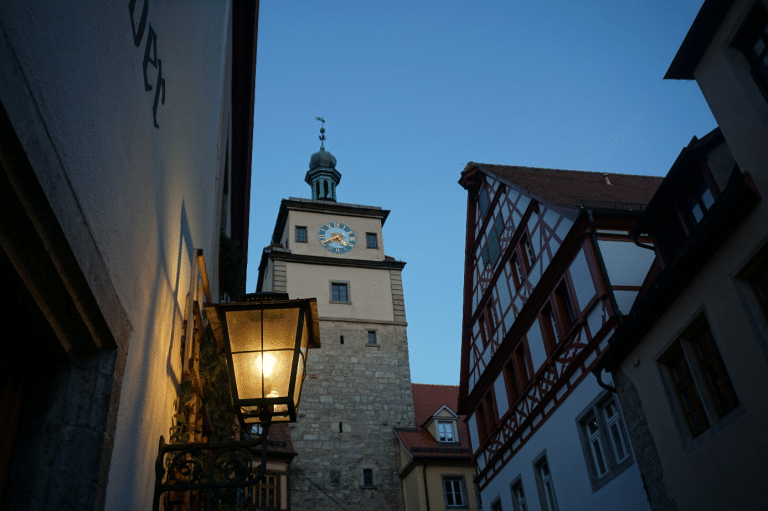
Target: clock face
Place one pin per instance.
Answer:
(336, 237)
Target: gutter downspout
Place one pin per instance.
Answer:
(424, 474)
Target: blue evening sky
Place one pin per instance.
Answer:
(412, 91)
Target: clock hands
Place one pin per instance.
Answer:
(335, 238)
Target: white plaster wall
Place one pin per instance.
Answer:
(370, 290)
(314, 221)
(147, 197)
(559, 436)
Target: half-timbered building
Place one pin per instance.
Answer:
(549, 271)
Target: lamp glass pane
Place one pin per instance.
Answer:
(277, 373)
(244, 330)
(280, 328)
(299, 377)
(305, 331)
(247, 368)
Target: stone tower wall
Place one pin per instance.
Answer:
(353, 396)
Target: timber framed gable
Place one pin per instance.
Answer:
(540, 307)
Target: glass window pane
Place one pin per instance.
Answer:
(598, 454)
(618, 442)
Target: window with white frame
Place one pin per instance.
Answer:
(546, 485)
(455, 492)
(604, 440)
(446, 431)
(518, 495)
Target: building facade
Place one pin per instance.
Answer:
(115, 174)
(436, 467)
(549, 271)
(692, 356)
(358, 385)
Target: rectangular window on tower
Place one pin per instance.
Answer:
(301, 234)
(340, 292)
(371, 240)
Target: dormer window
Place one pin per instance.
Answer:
(446, 431)
(700, 201)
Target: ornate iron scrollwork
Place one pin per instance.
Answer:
(210, 466)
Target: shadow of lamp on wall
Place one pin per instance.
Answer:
(265, 338)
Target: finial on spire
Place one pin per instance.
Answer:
(322, 133)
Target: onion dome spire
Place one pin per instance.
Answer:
(322, 176)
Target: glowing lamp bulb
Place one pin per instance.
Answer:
(267, 365)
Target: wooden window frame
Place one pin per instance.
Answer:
(518, 495)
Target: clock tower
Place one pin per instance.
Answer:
(358, 385)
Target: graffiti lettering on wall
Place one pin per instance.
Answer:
(150, 54)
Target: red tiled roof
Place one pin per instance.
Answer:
(428, 399)
(572, 187)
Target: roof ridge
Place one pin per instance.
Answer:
(566, 170)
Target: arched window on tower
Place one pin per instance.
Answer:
(317, 189)
(325, 186)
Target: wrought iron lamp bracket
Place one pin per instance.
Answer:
(208, 466)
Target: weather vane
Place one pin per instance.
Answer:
(322, 132)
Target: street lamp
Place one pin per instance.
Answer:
(266, 338)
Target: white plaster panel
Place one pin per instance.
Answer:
(535, 273)
(472, 423)
(564, 227)
(532, 221)
(522, 204)
(551, 217)
(583, 285)
(625, 299)
(626, 263)
(502, 403)
(504, 298)
(536, 346)
(509, 318)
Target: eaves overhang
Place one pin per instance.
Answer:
(696, 42)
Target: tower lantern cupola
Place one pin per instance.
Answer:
(322, 175)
